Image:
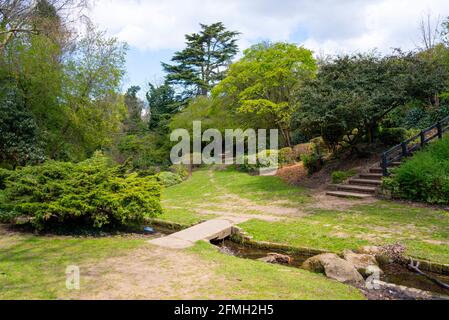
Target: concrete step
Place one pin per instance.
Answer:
(364, 182)
(371, 176)
(395, 164)
(342, 194)
(355, 188)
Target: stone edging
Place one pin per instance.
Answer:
(240, 236)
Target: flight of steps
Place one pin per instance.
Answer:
(361, 187)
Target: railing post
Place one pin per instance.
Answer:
(384, 165)
(423, 139)
(440, 130)
(404, 149)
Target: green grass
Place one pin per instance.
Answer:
(425, 231)
(420, 229)
(251, 279)
(210, 190)
(33, 267)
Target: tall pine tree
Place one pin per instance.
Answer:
(203, 62)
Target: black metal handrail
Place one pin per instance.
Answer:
(407, 147)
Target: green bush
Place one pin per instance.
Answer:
(169, 179)
(180, 170)
(264, 159)
(340, 176)
(4, 175)
(313, 161)
(286, 156)
(90, 193)
(394, 136)
(425, 177)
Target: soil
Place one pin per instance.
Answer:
(151, 273)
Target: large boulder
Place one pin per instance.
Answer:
(276, 258)
(365, 264)
(334, 267)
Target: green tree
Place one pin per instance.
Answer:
(19, 142)
(203, 62)
(163, 103)
(264, 83)
(133, 122)
(352, 94)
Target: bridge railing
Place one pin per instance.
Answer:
(407, 147)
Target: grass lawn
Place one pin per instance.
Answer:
(424, 231)
(33, 267)
(250, 279)
(211, 191)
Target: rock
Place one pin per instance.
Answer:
(365, 264)
(377, 252)
(276, 258)
(372, 250)
(334, 267)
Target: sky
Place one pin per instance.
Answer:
(155, 29)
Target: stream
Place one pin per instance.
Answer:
(393, 273)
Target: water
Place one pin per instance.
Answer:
(393, 273)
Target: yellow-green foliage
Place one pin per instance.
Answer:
(168, 178)
(90, 193)
(286, 156)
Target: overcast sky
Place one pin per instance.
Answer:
(154, 29)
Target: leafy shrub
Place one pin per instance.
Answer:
(90, 193)
(180, 170)
(264, 159)
(169, 179)
(314, 161)
(425, 177)
(4, 175)
(340, 176)
(392, 136)
(286, 156)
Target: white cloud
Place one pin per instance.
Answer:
(326, 25)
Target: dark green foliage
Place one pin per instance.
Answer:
(340, 176)
(144, 150)
(163, 103)
(352, 94)
(424, 177)
(392, 136)
(313, 161)
(19, 143)
(4, 175)
(90, 193)
(202, 63)
(133, 122)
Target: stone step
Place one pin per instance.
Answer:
(355, 188)
(343, 194)
(363, 182)
(376, 170)
(371, 176)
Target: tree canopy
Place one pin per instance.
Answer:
(199, 66)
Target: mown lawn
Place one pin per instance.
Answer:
(424, 231)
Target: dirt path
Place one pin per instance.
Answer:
(152, 273)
